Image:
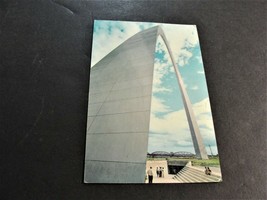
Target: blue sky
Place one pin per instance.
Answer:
(169, 129)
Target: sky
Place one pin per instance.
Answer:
(169, 130)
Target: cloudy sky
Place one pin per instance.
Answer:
(169, 129)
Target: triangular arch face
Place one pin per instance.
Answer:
(119, 111)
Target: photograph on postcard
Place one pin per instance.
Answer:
(149, 116)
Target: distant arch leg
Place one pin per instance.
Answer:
(194, 129)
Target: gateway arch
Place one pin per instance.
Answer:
(119, 111)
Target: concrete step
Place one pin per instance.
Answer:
(200, 172)
(197, 178)
(192, 175)
(201, 175)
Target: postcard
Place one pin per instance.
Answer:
(149, 116)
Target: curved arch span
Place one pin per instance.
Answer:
(194, 129)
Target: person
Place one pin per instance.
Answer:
(162, 172)
(207, 171)
(157, 172)
(150, 175)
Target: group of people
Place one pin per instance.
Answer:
(159, 171)
(207, 171)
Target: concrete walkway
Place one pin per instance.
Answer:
(167, 178)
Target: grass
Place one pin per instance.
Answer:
(210, 162)
(195, 162)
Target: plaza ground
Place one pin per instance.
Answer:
(170, 178)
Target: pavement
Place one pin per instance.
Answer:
(167, 178)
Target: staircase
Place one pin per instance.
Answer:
(190, 174)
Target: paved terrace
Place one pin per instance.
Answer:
(189, 174)
(168, 178)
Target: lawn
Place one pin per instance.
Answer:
(195, 162)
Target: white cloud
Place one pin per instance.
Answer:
(195, 87)
(162, 67)
(199, 58)
(200, 72)
(178, 36)
(159, 106)
(202, 112)
(108, 38)
(161, 89)
(184, 57)
(172, 129)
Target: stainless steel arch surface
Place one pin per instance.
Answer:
(119, 112)
(194, 129)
